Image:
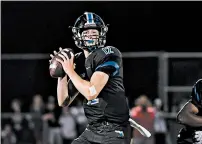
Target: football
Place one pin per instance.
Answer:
(55, 67)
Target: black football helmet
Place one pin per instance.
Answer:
(197, 93)
(86, 21)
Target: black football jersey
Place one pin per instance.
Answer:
(111, 104)
(186, 134)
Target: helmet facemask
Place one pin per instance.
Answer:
(90, 37)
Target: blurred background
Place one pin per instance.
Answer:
(162, 58)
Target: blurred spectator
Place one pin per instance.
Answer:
(37, 105)
(37, 109)
(52, 114)
(143, 113)
(8, 135)
(68, 126)
(26, 134)
(160, 127)
(81, 120)
(17, 117)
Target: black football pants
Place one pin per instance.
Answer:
(105, 137)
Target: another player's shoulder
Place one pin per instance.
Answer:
(190, 106)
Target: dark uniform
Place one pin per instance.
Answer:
(108, 114)
(186, 134)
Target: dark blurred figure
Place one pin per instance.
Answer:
(26, 134)
(81, 120)
(144, 114)
(160, 127)
(17, 117)
(68, 126)
(37, 109)
(51, 116)
(8, 136)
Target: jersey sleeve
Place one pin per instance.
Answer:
(108, 60)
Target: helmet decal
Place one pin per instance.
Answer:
(89, 17)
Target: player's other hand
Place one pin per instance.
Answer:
(54, 53)
(67, 63)
(198, 137)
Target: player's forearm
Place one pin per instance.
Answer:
(62, 90)
(189, 119)
(81, 85)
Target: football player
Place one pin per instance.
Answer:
(101, 83)
(191, 117)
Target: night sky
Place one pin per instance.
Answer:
(41, 27)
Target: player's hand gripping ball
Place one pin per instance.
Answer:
(55, 68)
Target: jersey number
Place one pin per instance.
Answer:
(107, 50)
